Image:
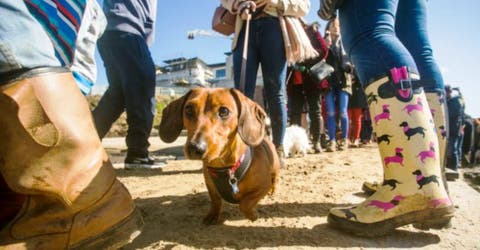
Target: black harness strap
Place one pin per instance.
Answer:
(226, 179)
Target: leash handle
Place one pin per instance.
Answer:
(243, 72)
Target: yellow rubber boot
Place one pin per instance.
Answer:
(412, 190)
(52, 156)
(436, 101)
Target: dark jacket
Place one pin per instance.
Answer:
(357, 98)
(337, 57)
(456, 110)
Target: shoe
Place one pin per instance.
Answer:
(355, 143)
(281, 155)
(142, 162)
(451, 174)
(323, 141)
(59, 172)
(412, 191)
(331, 146)
(342, 144)
(316, 148)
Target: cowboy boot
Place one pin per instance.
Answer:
(10, 203)
(412, 190)
(51, 154)
(436, 102)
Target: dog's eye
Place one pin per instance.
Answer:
(223, 112)
(189, 111)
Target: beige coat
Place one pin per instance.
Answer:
(297, 44)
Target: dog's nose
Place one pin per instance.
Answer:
(197, 148)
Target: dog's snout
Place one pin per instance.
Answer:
(197, 148)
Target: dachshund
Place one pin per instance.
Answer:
(226, 131)
(385, 138)
(409, 132)
(385, 115)
(430, 153)
(424, 180)
(396, 158)
(412, 107)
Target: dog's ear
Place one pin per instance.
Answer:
(251, 119)
(171, 124)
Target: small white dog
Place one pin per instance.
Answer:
(295, 141)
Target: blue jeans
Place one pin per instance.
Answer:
(331, 99)
(265, 47)
(379, 35)
(131, 77)
(454, 151)
(23, 42)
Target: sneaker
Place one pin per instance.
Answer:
(145, 163)
(342, 144)
(355, 143)
(451, 174)
(316, 147)
(331, 146)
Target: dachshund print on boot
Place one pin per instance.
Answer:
(412, 107)
(384, 138)
(397, 158)
(430, 153)
(385, 115)
(424, 180)
(409, 132)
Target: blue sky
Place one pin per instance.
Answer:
(454, 29)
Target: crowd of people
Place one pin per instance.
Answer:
(59, 190)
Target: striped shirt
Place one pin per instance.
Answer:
(61, 20)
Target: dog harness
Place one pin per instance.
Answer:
(226, 179)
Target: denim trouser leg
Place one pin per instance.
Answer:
(376, 49)
(266, 47)
(330, 103)
(411, 29)
(23, 42)
(131, 75)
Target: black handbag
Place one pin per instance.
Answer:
(321, 70)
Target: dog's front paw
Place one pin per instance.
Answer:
(251, 215)
(211, 219)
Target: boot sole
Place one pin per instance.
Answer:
(424, 220)
(119, 235)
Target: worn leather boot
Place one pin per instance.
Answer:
(51, 154)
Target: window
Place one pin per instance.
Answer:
(220, 73)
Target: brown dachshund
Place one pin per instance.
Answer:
(226, 131)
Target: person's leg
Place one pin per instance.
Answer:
(412, 15)
(356, 122)
(296, 105)
(274, 65)
(112, 103)
(343, 117)
(313, 100)
(331, 120)
(410, 159)
(132, 71)
(50, 152)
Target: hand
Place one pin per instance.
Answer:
(245, 8)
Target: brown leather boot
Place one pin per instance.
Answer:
(51, 153)
(10, 203)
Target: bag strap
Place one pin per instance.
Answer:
(243, 72)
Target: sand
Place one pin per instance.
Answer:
(174, 200)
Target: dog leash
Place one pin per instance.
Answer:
(243, 72)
